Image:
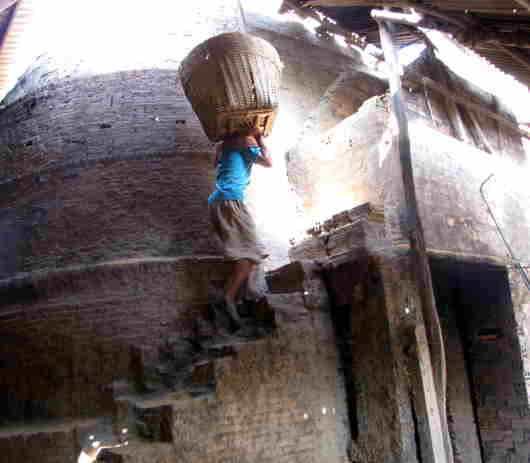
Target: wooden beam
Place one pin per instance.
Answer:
(326, 25)
(439, 448)
(459, 20)
(414, 20)
(478, 36)
(5, 4)
(469, 29)
(292, 5)
(425, 398)
(523, 61)
(414, 79)
(524, 4)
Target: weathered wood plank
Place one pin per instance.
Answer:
(440, 450)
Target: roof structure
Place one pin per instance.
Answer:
(498, 30)
(14, 21)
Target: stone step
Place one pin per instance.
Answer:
(58, 439)
(288, 303)
(244, 336)
(303, 277)
(53, 426)
(153, 452)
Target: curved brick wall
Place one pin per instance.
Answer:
(107, 209)
(95, 169)
(105, 249)
(117, 114)
(133, 301)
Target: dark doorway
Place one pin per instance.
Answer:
(487, 400)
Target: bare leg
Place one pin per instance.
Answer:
(240, 273)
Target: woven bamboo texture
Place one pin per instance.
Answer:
(233, 81)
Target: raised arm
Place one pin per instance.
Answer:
(218, 149)
(265, 159)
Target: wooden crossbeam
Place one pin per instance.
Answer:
(523, 61)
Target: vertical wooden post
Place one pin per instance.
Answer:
(431, 352)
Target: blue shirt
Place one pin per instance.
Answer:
(233, 173)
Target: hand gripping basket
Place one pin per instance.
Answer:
(233, 81)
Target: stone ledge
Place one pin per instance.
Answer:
(45, 278)
(29, 428)
(69, 168)
(362, 227)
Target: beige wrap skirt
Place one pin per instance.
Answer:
(236, 229)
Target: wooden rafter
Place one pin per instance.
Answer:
(466, 28)
(524, 4)
(477, 36)
(516, 56)
(325, 25)
(459, 20)
(510, 37)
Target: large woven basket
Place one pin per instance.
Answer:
(233, 81)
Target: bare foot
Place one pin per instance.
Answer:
(95, 444)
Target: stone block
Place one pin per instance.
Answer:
(360, 228)
(304, 277)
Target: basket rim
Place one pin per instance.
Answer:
(185, 64)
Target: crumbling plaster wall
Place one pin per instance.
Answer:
(358, 158)
(341, 166)
(448, 174)
(311, 66)
(104, 216)
(338, 169)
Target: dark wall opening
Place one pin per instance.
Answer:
(338, 282)
(487, 401)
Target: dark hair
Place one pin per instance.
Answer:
(239, 133)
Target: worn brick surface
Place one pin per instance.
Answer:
(45, 447)
(367, 292)
(289, 409)
(460, 406)
(495, 364)
(113, 168)
(106, 210)
(58, 119)
(448, 175)
(120, 302)
(359, 229)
